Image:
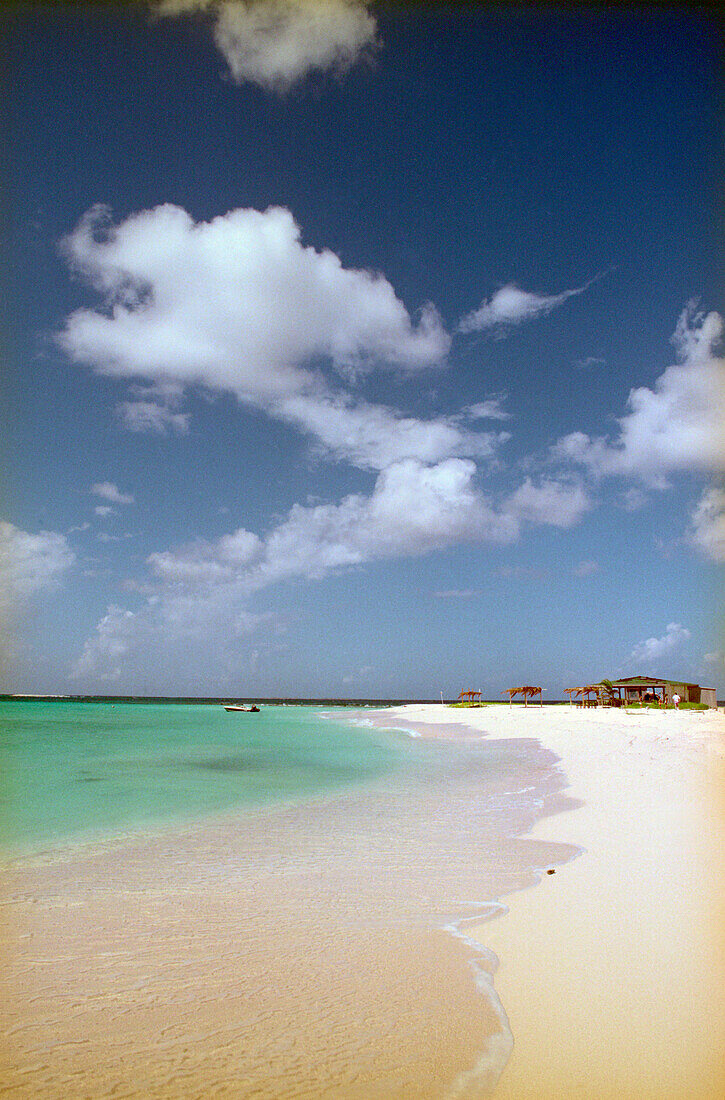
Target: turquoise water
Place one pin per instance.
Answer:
(73, 769)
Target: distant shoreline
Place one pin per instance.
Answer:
(292, 701)
(210, 700)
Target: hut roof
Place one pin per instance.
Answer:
(645, 681)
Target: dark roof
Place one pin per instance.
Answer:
(654, 680)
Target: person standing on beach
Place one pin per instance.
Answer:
(676, 701)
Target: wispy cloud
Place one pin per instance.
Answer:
(457, 594)
(511, 306)
(103, 536)
(653, 649)
(707, 532)
(109, 643)
(586, 568)
(151, 417)
(277, 43)
(490, 409)
(633, 500)
(362, 673)
(374, 437)
(106, 490)
(413, 509)
(590, 361)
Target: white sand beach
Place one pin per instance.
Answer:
(612, 970)
(302, 952)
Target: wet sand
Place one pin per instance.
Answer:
(612, 970)
(139, 1008)
(317, 951)
(299, 952)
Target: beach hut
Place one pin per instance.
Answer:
(470, 698)
(639, 689)
(528, 691)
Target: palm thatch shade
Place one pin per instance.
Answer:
(528, 691)
(603, 694)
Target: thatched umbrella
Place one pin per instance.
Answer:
(528, 691)
(571, 692)
(586, 691)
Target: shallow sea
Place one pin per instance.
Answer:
(95, 769)
(303, 864)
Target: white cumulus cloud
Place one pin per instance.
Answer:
(557, 503)
(708, 524)
(201, 589)
(29, 563)
(110, 642)
(413, 509)
(677, 426)
(374, 437)
(652, 649)
(240, 305)
(155, 639)
(237, 304)
(277, 43)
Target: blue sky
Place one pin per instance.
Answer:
(355, 350)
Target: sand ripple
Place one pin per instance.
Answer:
(299, 952)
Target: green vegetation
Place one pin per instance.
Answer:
(646, 706)
(656, 706)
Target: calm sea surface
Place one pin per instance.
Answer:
(76, 769)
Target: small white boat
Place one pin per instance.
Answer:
(246, 710)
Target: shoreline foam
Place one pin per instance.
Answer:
(611, 972)
(302, 950)
(335, 948)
